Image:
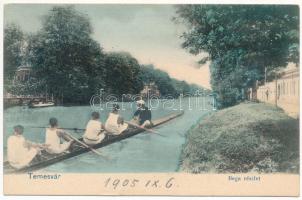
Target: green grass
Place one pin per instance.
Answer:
(250, 137)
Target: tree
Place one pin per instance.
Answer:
(181, 87)
(65, 57)
(29, 87)
(13, 41)
(122, 74)
(241, 41)
(167, 86)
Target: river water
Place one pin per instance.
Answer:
(144, 152)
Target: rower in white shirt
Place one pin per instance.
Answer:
(94, 133)
(115, 123)
(54, 137)
(21, 152)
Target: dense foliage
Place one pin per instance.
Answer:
(241, 41)
(168, 87)
(122, 78)
(65, 57)
(13, 43)
(150, 74)
(70, 65)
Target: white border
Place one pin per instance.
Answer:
(152, 2)
(121, 2)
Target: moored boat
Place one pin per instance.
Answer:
(47, 159)
(41, 104)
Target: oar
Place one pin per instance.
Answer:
(72, 129)
(85, 145)
(146, 129)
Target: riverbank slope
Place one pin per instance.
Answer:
(250, 137)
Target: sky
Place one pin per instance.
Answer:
(147, 32)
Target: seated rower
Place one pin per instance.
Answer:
(115, 123)
(142, 115)
(54, 135)
(21, 152)
(94, 133)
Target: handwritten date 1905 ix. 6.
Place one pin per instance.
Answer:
(117, 183)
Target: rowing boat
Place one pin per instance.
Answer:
(47, 159)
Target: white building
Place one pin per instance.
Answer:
(283, 92)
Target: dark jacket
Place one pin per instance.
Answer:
(143, 115)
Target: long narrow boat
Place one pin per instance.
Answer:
(49, 159)
(41, 105)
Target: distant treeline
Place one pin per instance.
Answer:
(166, 85)
(68, 63)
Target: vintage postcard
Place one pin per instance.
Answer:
(151, 99)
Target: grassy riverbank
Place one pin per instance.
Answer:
(250, 137)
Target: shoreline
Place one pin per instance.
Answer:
(198, 121)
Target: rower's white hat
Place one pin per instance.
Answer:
(140, 102)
